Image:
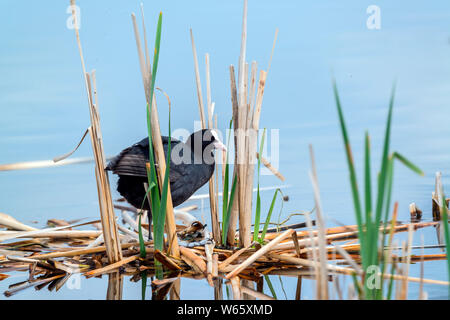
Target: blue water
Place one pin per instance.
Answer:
(44, 108)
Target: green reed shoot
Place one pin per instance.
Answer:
(446, 235)
(227, 204)
(369, 223)
(258, 196)
(256, 236)
(157, 201)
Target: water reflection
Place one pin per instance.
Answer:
(115, 286)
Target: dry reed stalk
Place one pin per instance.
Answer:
(426, 257)
(212, 192)
(323, 280)
(127, 219)
(198, 82)
(344, 255)
(252, 93)
(4, 276)
(244, 198)
(175, 290)
(212, 182)
(42, 164)
(269, 166)
(236, 288)
(21, 259)
(348, 235)
(8, 221)
(422, 271)
(234, 214)
(197, 260)
(115, 286)
(400, 286)
(215, 265)
(110, 267)
(297, 247)
(188, 208)
(233, 257)
(33, 283)
(312, 252)
(7, 235)
(166, 261)
(248, 169)
(109, 226)
(209, 247)
(408, 261)
(304, 234)
(79, 252)
(160, 159)
(260, 253)
(126, 231)
(350, 271)
(437, 197)
(256, 294)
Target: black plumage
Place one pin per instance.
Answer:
(191, 166)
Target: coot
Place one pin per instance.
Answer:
(191, 166)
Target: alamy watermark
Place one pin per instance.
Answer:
(373, 22)
(74, 19)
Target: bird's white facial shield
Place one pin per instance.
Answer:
(217, 143)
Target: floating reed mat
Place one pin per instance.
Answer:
(51, 256)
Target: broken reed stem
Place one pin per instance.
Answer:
(160, 159)
(269, 166)
(256, 294)
(110, 232)
(260, 253)
(84, 251)
(233, 257)
(110, 267)
(195, 259)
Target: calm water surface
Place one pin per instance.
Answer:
(44, 111)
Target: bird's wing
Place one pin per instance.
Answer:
(131, 161)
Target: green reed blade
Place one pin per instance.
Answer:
(351, 167)
(368, 188)
(258, 196)
(391, 282)
(143, 284)
(229, 207)
(225, 212)
(446, 236)
(408, 163)
(151, 173)
(269, 215)
(383, 174)
(159, 232)
(142, 252)
(269, 284)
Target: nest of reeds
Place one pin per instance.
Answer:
(52, 255)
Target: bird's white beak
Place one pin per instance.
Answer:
(219, 145)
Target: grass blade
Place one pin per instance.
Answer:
(258, 196)
(408, 163)
(269, 215)
(351, 167)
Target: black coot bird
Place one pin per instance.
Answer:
(191, 166)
